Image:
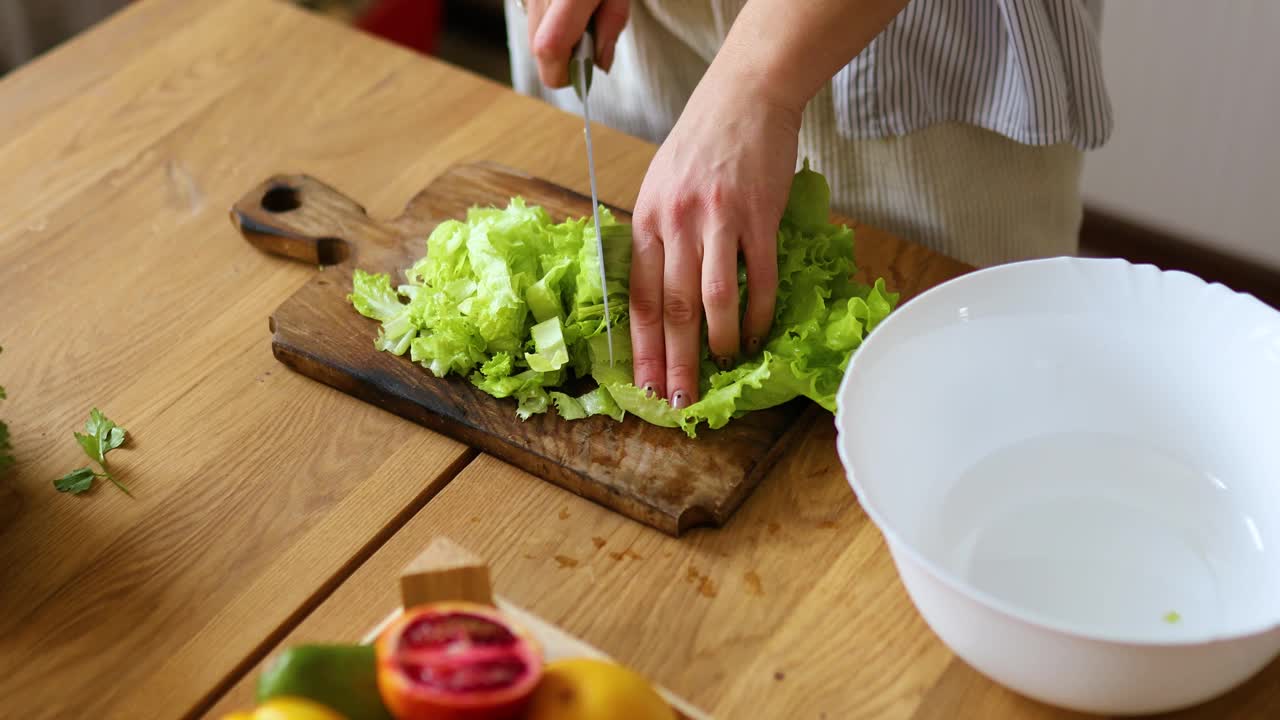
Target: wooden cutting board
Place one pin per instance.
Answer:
(657, 476)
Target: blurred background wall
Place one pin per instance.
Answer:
(30, 27)
(1196, 150)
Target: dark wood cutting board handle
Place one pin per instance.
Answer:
(299, 217)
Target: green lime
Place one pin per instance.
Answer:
(342, 677)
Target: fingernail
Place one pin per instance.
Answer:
(753, 344)
(724, 363)
(649, 392)
(680, 400)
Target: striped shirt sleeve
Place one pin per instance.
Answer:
(1027, 69)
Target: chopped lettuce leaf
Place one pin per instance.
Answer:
(644, 405)
(595, 402)
(397, 334)
(526, 387)
(497, 366)
(450, 345)
(373, 297)
(809, 202)
(548, 342)
(514, 301)
(543, 296)
(530, 402)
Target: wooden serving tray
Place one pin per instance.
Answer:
(445, 572)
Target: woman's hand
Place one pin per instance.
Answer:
(716, 188)
(556, 26)
(719, 184)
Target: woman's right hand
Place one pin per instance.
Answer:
(556, 26)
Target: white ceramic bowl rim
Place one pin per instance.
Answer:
(951, 580)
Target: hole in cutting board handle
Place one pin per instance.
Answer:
(281, 199)
(331, 250)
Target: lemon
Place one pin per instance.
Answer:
(287, 708)
(586, 689)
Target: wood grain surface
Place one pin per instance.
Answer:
(270, 507)
(793, 610)
(655, 475)
(123, 286)
(447, 572)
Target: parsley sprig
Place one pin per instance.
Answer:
(100, 437)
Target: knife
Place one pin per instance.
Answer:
(580, 70)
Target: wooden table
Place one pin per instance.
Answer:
(271, 509)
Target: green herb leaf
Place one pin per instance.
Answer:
(110, 436)
(101, 436)
(123, 488)
(90, 445)
(76, 481)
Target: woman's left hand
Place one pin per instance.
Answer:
(716, 188)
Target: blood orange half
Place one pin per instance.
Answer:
(456, 661)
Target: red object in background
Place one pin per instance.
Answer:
(415, 24)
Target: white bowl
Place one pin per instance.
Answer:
(1076, 467)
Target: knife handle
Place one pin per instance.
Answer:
(584, 57)
(586, 44)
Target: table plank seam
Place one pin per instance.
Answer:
(272, 640)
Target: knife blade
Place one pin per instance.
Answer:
(584, 60)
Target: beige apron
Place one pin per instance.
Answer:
(958, 189)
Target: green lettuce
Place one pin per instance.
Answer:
(595, 402)
(550, 354)
(514, 302)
